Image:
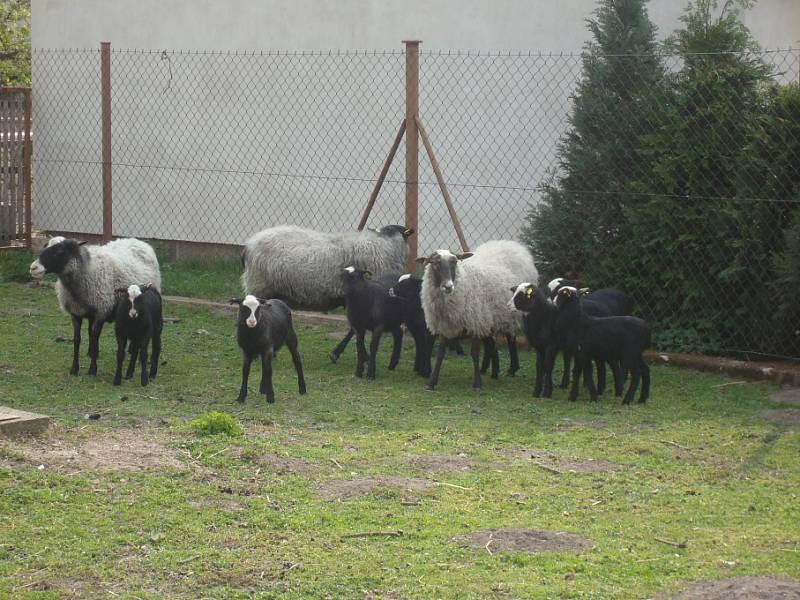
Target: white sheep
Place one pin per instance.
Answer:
(303, 267)
(87, 278)
(467, 295)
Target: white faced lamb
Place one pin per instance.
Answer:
(138, 319)
(303, 266)
(87, 278)
(263, 327)
(466, 295)
(370, 308)
(621, 338)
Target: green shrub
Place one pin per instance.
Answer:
(215, 422)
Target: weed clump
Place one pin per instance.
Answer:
(215, 422)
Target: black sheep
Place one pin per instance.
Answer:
(370, 308)
(620, 338)
(263, 327)
(137, 318)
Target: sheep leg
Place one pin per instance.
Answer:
(455, 346)
(434, 379)
(397, 346)
(373, 351)
(513, 354)
(94, 345)
(291, 343)
(588, 377)
(76, 343)
(425, 350)
(549, 361)
(645, 380)
(476, 355)
(576, 372)
(540, 369)
(618, 378)
(601, 376)
(487, 356)
(635, 370)
(89, 330)
(143, 359)
(337, 351)
(121, 341)
(266, 376)
(134, 352)
(156, 355)
(246, 360)
(361, 353)
(565, 376)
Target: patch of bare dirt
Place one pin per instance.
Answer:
(336, 335)
(788, 417)
(787, 395)
(741, 588)
(118, 450)
(285, 465)
(444, 463)
(530, 541)
(342, 489)
(552, 462)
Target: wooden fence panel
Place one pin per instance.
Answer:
(14, 168)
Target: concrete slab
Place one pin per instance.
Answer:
(17, 422)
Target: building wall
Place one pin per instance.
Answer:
(256, 142)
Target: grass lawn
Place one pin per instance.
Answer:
(137, 504)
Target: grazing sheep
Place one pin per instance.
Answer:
(303, 267)
(263, 327)
(465, 295)
(621, 338)
(138, 319)
(370, 308)
(87, 278)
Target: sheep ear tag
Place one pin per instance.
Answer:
(585, 291)
(529, 293)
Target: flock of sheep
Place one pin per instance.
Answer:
(476, 295)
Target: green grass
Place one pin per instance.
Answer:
(219, 521)
(216, 280)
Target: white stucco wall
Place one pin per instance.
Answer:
(249, 142)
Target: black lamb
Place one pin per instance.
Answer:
(621, 338)
(263, 327)
(138, 319)
(370, 308)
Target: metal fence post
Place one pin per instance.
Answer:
(26, 169)
(105, 116)
(412, 149)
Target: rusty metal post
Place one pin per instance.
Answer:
(382, 177)
(442, 186)
(412, 149)
(26, 169)
(105, 116)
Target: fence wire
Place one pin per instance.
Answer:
(211, 147)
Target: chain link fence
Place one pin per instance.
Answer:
(211, 147)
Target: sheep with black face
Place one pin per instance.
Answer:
(87, 278)
(262, 328)
(138, 320)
